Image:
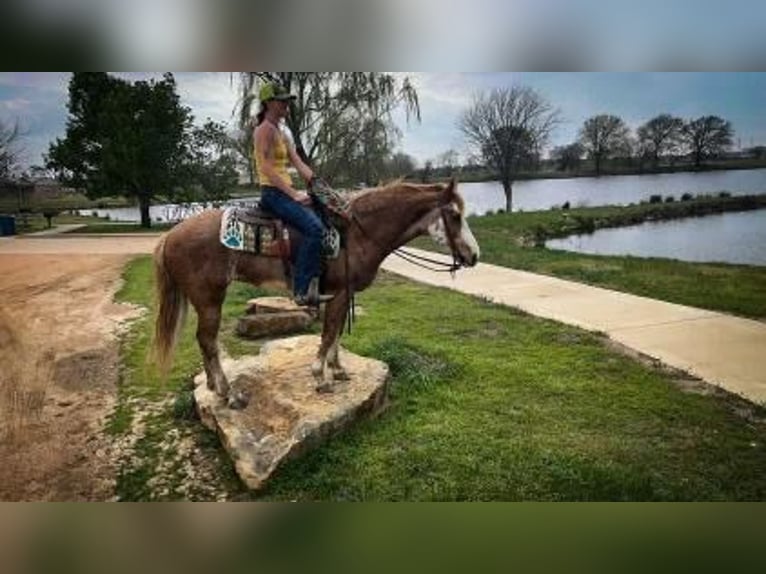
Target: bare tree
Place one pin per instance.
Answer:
(604, 136)
(708, 136)
(568, 156)
(660, 136)
(9, 152)
(509, 127)
(331, 109)
(448, 160)
(401, 165)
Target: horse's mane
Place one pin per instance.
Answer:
(374, 198)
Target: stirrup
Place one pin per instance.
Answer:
(312, 297)
(312, 301)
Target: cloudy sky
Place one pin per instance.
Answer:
(38, 102)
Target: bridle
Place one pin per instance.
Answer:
(421, 261)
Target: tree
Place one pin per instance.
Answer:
(660, 136)
(242, 140)
(568, 157)
(9, 137)
(604, 136)
(401, 165)
(212, 161)
(448, 161)
(122, 138)
(332, 110)
(427, 172)
(509, 128)
(708, 136)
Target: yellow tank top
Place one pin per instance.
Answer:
(281, 161)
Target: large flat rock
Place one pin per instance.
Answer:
(286, 416)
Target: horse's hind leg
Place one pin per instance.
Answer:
(208, 323)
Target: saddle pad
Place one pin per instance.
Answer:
(248, 237)
(241, 234)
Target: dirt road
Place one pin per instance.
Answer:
(59, 364)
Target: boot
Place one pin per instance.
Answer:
(312, 297)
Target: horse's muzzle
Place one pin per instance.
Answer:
(470, 261)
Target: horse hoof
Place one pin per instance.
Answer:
(238, 401)
(341, 376)
(325, 388)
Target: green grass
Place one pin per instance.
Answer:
(486, 404)
(509, 240)
(164, 403)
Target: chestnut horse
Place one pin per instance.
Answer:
(191, 265)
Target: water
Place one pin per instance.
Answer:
(160, 213)
(730, 238)
(542, 194)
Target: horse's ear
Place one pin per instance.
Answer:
(451, 189)
(452, 196)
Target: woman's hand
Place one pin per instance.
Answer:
(302, 197)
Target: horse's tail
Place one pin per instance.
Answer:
(171, 311)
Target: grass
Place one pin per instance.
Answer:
(509, 240)
(486, 404)
(160, 405)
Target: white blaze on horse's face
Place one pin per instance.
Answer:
(437, 232)
(450, 229)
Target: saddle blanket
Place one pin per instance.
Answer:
(258, 235)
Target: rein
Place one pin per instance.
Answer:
(421, 261)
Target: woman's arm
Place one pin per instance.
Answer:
(306, 172)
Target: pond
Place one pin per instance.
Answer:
(542, 194)
(729, 238)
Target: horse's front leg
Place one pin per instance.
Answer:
(334, 319)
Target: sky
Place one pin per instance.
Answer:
(37, 100)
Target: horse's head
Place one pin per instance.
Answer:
(450, 228)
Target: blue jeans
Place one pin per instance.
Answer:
(308, 223)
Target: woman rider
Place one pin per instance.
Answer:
(273, 151)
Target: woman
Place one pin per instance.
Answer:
(273, 151)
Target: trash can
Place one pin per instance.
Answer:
(7, 225)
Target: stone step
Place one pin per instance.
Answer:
(286, 416)
(273, 324)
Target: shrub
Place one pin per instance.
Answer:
(586, 224)
(686, 197)
(565, 206)
(655, 199)
(670, 199)
(724, 194)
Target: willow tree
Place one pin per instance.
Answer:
(330, 112)
(509, 128)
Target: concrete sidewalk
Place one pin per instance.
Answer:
(721, 349)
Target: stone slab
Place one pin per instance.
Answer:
(273, 324)
(286, 417)
(272, 305)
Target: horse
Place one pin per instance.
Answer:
(191, 265)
